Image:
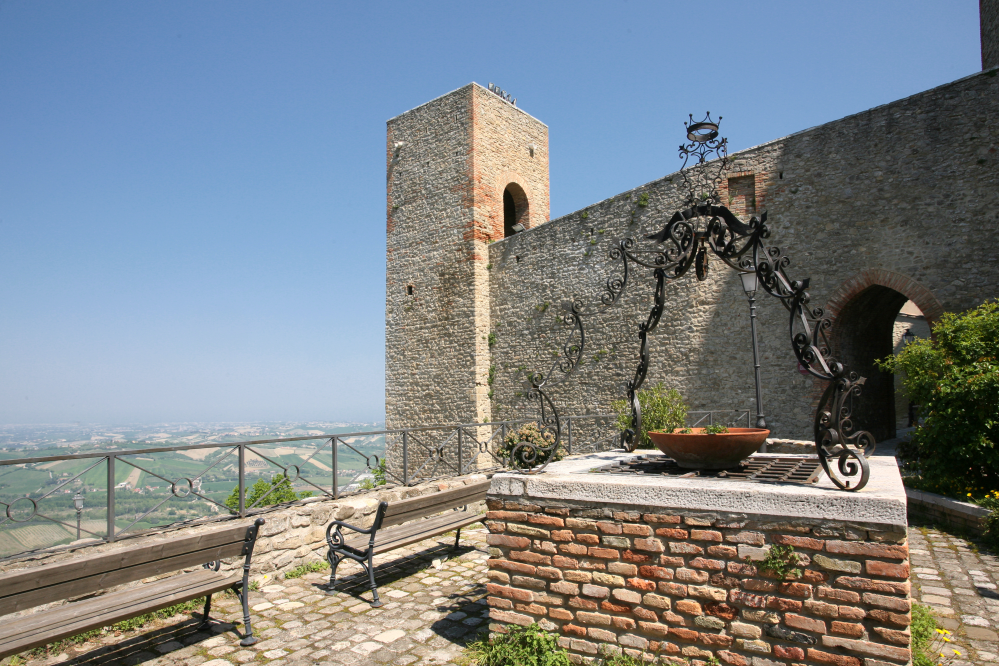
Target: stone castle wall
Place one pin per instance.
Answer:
(898, 202)
(989, 17)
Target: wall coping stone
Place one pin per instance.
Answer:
(881, 502)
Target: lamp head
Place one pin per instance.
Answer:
(908, 336)
(749, 282)
(78, 501)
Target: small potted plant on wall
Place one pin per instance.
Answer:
(712, 447)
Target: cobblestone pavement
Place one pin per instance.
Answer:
(951, 577)
(434, 606)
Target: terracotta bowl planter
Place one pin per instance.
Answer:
(697, 450)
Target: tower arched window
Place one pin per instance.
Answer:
(515, 209)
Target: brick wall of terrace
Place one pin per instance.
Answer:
(687, 583)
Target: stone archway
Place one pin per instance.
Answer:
(863, 312)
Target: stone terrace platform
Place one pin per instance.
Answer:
(431, 613)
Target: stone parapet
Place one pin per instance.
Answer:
(294, 534)
(672, 566)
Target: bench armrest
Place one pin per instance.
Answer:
(339, 523)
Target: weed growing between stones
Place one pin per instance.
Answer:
(309, 567)
(928, 641)
(520, 646)
(782, 561)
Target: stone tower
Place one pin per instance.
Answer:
(463, 171)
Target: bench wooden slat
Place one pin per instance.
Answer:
(453, 521)
(88, 584)
(396, 537)
(14, 582)
(51, 625)
(417, 507)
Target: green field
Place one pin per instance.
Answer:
(148, 495)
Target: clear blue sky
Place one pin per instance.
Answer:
(192, 193)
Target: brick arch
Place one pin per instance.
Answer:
(863, 311)
(502, 182)
(879, 277)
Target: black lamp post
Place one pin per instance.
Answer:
(749, 283)
(78, 501)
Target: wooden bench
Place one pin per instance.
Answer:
(376, 539)
(48, 583)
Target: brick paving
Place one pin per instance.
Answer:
(959, 583)
(434, 606)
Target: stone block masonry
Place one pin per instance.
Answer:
(684, 578)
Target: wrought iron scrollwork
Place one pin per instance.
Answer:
(688, 239)
(568, 332)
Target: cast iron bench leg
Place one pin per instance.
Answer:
(205, 620)
(334, 559)
(457, 538)
(371, 576)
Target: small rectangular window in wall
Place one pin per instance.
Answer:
(742, 196)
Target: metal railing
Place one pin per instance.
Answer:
(727, 417)
(122, 493)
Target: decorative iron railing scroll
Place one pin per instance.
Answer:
(563, 343)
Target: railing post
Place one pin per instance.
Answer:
(405, 457)
(111, 528)
(336, 480)
(242, 481)
(459, 451)
(568, 435)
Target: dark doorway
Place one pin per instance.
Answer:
(862, 333)
(514, 208)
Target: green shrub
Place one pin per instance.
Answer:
(530, 432)
(283, 492)
(520, 646)
(954, 378)
(991, 502)
(662, 411)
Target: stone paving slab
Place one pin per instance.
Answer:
(959, 584)
(434, 607)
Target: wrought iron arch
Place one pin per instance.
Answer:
(704, 228)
